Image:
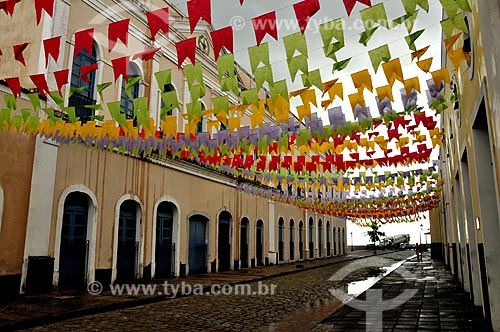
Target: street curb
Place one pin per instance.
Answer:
(50, 319)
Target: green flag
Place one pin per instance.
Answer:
(71, 114)
(263, 74)
(379, 55)
(163, 78)
(298, 63)
(312, 78)
(141, 111)
(194, 73)
(295, 43)
(366, 36)
(279, 88)
(259, 54)
(220, 104)
(341, 64)
(114, 110)
(250, 96)
(374, 15)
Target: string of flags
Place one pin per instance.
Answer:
(308, 155)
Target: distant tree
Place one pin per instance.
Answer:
(374, 234)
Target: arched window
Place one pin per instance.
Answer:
(126, 101)
(85, 94)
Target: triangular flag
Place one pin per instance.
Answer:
(14, 85)
(84, 40)
(146, 55)
(340, 65)
(374, 15)
(222, 38)
(295, 44)
(186, 49)
(379, 55)
(46, 5)
(118, 31)
(393, 71)
(349, 5)
(418, 54)
(40, 83)
(412, 84)
(85, 70)
(199, 9)
(385, 92)
(265, 24)
(449, 42)
(61, 77)
(362, 80)
(158, 21)
(18, 52)
(425, 65)
(8, 6)
(120, 67)
(412, 38)
(257, 55)
(51, 47)
(304, 11)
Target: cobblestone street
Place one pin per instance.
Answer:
(304, 296)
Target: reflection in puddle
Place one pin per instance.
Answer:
(308, 318)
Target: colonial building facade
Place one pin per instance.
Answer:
(70, 214)
(466, 229)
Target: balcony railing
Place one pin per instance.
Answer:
(79, 101)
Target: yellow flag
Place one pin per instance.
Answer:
(362, 80)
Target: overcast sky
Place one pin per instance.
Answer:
(227, 12)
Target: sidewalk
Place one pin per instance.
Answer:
(439, 305)
(35, 310)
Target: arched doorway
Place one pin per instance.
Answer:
(128, 241)
(328, 243)
(198, 247)
(340, 242)
(292, 239)
(244, 229)
(311, 238)
(165, 247)
(320, 238)
(224, 241)
(334, 241)
(343, 241)
(74, 249)
(281, 239)
(301, 240)
(259, 242)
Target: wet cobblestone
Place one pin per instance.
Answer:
(305, 290)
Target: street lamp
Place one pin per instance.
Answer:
(352, 243)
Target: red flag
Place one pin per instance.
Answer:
(120, 67)
(85, 70)
(14, 85)
(18, 52)
(265, 24)
(186, 49)
(220, 38)
(158, 20)
(8, 6)
(84, 40)
(51, 47)
(118, 31)
(47, 5)
(61, 78)
(40, 83)
(199, 9)
(304, 11)
(349, 5)
(146, 55)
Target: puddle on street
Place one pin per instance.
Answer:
(307, 319)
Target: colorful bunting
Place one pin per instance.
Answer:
(46, 5)
(51, 47)
(186, 49)
(18, 52)
(199, 9)
(222, 38)
(61, 77)
(265, 24)
(304, 10)
(14, 85)
(120, 67)
(84, 40)
(146, 55)
(349, 5)
(158, 21)
(118, 31)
